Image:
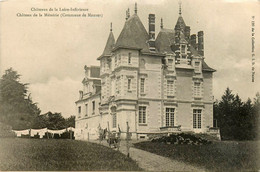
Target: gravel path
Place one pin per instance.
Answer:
(152, 162)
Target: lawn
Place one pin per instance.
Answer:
(218, 156)
(51, 154)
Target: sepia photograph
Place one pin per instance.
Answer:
(129, 85)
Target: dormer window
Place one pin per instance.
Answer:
(170, 63)
(183, 47)
(197, 66)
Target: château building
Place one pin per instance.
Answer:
(155, 83)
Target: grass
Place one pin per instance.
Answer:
(51, 154)
(218, 156)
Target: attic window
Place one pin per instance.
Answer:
(197, 66)
(170, 63)
(183, 47)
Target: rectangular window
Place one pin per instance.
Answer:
(93, 107)
(129, 84)
(142, 85)
(170, 117)
(129, 58)
(114, 120)
(118, 85)
(197, 118)
(196, 89)
(170, 63)
(86, 107)
(170, 87)
(142, 114)
(197, 66)
(183, 47)
(79, 109)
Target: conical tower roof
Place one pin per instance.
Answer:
(133, 35)
(109, 45)
(180, 24)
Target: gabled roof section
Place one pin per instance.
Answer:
(133, 35)
(164, 40)
(182, 38)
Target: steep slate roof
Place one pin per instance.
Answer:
(180, 23)
(95, 71)
(133, 35)
(109, 45)
(164, 40)
(205, 67)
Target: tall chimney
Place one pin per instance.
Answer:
(200, 43)
(193, 41)
(151, 22)
(187, 33)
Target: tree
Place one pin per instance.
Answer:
(17, 108)
(70, 122)
(53, 121)
(237, 120)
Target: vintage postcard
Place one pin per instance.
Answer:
(159, 85)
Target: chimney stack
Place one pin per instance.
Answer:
(193, 41)
(151, 22)
(200, 43)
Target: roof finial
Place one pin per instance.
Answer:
(135, 8)
(180, 7)
(161, 23)
(111, 27)
(127, 14)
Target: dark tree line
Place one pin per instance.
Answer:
(237, 120)
(19, 111)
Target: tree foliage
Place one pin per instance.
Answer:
(237, 120)
(17, 108)
(53, 121)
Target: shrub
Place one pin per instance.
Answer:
(182, 138)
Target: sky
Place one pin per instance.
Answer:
(50, 52)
